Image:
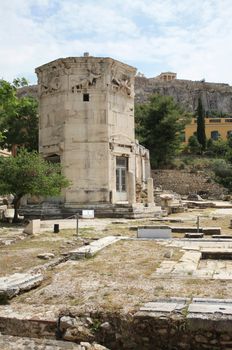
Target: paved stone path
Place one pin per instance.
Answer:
(191, 263)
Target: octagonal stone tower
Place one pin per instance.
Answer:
(86, 108)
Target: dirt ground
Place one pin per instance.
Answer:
(121, 276)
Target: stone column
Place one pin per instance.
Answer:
(150, 190)
(131, 188)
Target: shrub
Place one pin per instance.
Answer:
(193, 145)
(223, 173)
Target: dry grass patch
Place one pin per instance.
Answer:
(118, 277)
(22, 255)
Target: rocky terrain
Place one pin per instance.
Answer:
(215, 97)
(31, 90)
(185, 182)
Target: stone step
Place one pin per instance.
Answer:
(102, 211)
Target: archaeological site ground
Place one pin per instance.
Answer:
(124, 258)
(106, 286)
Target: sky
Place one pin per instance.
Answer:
(190, 37)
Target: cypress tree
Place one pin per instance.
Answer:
(201, 125)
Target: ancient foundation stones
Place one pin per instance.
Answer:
(75, 329)
(46, 256)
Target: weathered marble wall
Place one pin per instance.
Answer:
(87, 119)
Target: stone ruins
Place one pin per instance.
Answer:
(86, 108)
(161, 282)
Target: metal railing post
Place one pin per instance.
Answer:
(77, 224)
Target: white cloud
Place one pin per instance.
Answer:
(189, 37)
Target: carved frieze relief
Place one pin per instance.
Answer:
(87, 80)
(50, 80)
(48, 83)
(121, 82)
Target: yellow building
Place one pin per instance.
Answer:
(215, 128)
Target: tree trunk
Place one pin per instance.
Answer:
(16, 203)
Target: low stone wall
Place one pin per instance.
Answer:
(175, 332)
(154, 331)
(28, 327)
(171, 324)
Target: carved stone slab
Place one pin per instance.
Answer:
(211, 306)
(165, 305)
(93, 248)
(18, 283)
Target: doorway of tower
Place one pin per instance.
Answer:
(121, 179)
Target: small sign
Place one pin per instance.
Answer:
(88, 214)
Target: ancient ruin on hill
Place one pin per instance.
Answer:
(216, 98)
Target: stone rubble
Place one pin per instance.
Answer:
(46, 256)
(185, 182)
(75, 329)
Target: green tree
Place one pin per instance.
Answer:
(201, 125)
(29, 173)
(159, 126)
(228, 155)
(218, 148)
(18, 117)
(193, 145)
(7, 103)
